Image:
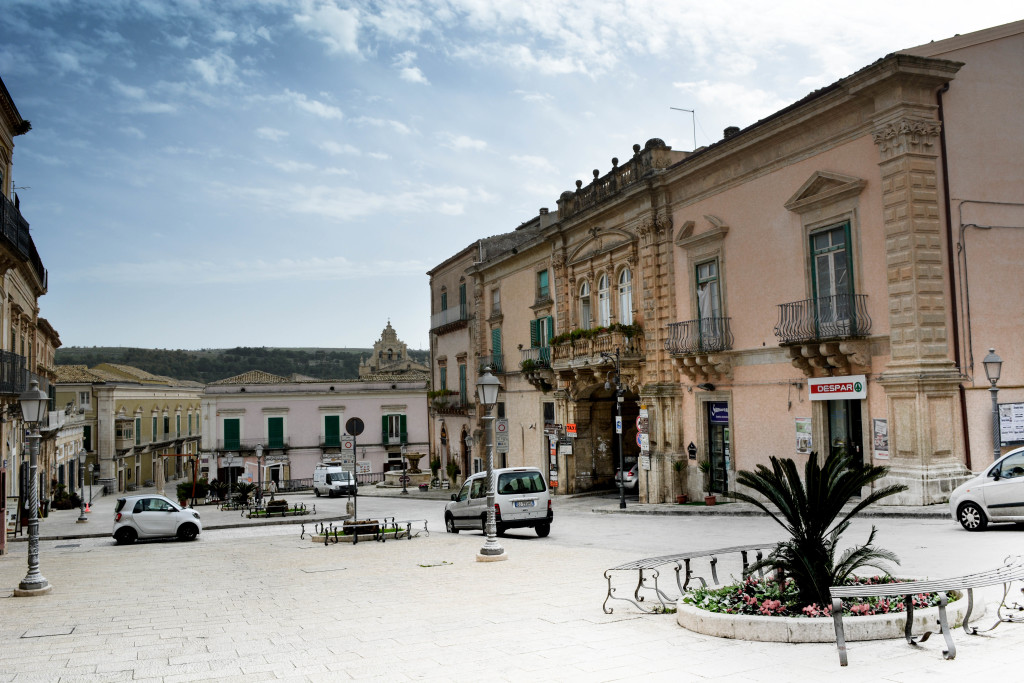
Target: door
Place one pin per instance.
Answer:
(833, 287)
(718, 446)
(155, 517)
(844, 428)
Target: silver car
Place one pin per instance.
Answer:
(153, 516)
(994, 495)
(522, 499)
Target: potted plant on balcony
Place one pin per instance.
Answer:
(680, 466)
(705, 468)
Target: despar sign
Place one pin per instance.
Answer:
(838, 388)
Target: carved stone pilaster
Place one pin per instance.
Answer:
(907, 136)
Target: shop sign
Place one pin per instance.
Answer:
(719, 413)
(837, 388)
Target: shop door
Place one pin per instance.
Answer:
(844, 428)
(718, 446)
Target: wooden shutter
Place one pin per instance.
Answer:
(332, 431)
(384, 429)
(462, 384)
(231, 430)
(496, 341)
(534, 333)
(551, 330)
(402, 430)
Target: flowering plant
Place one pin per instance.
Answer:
(766, 597)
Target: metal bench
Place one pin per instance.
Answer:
(648, 573)
(1012, 570)
(421, 525)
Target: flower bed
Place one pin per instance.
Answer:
(757, 610)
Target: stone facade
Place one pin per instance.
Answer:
(390, 356)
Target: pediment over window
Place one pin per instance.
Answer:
(824, 187)
(715, 234)
(600, 242)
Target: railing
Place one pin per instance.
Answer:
(540, 355)
(828, 317)
(330, 441)
(496, 362)
(14, 232)
(369, 478)
(12, 373)
(618, 178)
(704, 335)
(449, 315)
(603, 342)
(449, 403)
(396, 440)
(250, 444)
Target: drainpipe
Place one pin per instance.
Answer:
(952, 270)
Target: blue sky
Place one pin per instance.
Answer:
(206, 174)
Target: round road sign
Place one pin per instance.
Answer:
(354, 426)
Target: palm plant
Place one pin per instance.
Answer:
(808, 510)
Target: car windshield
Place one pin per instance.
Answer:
(511, 483)
(338, 478)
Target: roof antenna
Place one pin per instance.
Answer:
(693, 116)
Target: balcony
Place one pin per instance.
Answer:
(587, 350)
(16, 237)
(535, 357)
(278, 443)
(449, 319)
(330, 441)
(826, 332)
(396, 439)
(12, 373)
(448, 402)
(697, 347)
(494, 361)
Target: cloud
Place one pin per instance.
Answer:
(132, 131)
(315, 107)
(745, 103)
(337, 28)
(217, 69)
(397, 126)
(412, 74)
(337, 148)
(272, 134)
(533, 163)
(463, 142)
(224, 36)
(66, 62)
(293, 166)
(537, 97)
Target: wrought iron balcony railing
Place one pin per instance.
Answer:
(827, 317)
(14, 233)
(494, 361)
(12, 373)
(450, 403)
(539, 355)
(603, 342)
(704, 335)
(250, 444)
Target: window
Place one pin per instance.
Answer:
(463, 399)
(444, 378)
(479, 489)
(87, 437)
(275, 432)
(541, 331)
(138, 431)
(84, 399)
(585, 318)
(190, 424)
(232, 442)
(830, 273)
(709, 303)
(543, 291)
(501, 410)
(462, 301)
(167, 424)
(393, 428)
(604, 308)
(444, 300)
(496, 364)
(495, 302)
(155, 431)
(177, 426)
(332, 431)
(626, 297)
(549, 413)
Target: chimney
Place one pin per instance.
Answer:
(731, 131)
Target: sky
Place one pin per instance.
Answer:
(211, 174)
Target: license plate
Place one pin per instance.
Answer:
(525, 503)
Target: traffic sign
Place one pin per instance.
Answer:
(570, 430)
(618, 424)
(354, 426)
(348, 445)
(644, 441)
(501, 443)
(501, 426)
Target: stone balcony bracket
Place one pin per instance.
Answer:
(704, 366)
(824, 358)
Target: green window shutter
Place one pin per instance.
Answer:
(138, 431)
(462, 297)
(231, 434)
(275, 432)
(384, 429)
(332, 431)
(53, 400)
(404, 433)
(177, 425)
(190, 424)
(444, 378)
(87, 437)
(444, 301)
(551, 330)
(496, 341)
(462, 384)
(535, 333)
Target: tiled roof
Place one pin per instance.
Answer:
(260, 377)
(115, 372)
(253, 377)
(67, 374)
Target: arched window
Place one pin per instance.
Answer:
(626, 297)
(604, 308)
(585, 318)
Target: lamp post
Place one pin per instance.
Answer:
(487, 391)
(618, 412)
(405, 477)
(259, 474)
(81, 487)
(33, 408)
(993, 366)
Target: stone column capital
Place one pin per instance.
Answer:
(907, 136)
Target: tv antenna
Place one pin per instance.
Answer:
(693, 118)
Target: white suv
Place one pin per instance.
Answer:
(153, 516)
(521, 499)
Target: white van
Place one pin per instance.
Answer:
(521, 499)
(333, 480)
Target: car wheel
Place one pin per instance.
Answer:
(500, 529)
(125, 536)
(187, 532)
(449, 524)
(316, 492)
(972, 517)
(543, 529)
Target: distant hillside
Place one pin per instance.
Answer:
(210, 365)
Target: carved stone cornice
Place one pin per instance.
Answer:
(907, 136)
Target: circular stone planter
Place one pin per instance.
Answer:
(818, 629)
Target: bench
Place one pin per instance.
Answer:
(1011, 570)
(648, 571)
(406, 526)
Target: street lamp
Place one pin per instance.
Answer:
(993, 366)
(405, 477)
(33, 408)
(618, 424)
(81, 486)
(259, 474)
(487, 391)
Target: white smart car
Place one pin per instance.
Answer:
(153, 516)
(521, 499)
(994, 495)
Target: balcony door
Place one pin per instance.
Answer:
(833, 286)
(844, 428)
(709, 306)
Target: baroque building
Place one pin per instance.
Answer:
(799, 285)
(390, 356)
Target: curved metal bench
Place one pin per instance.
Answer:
(1012, 570)
(684, 573)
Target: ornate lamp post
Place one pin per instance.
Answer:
(618, 409)
(405, 476)
(81, 486)
(259, 474)
(487, 391)
(993, 366)
(33, 409)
